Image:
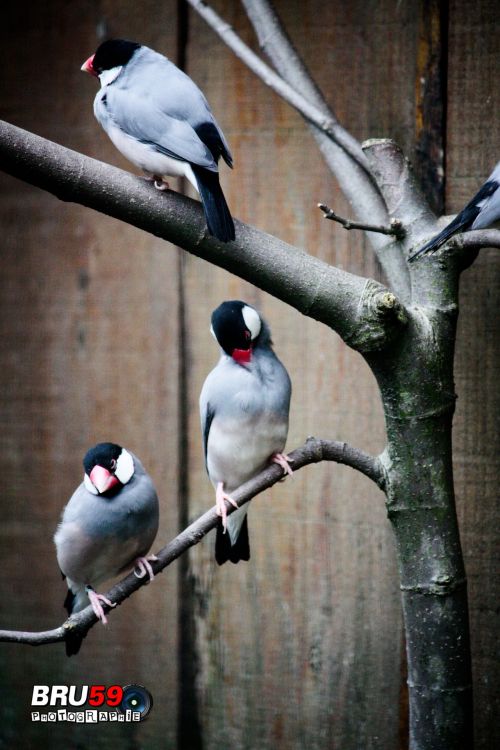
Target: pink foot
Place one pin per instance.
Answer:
(95, 600)
(143, 563)
(284, 461)
(220, 498)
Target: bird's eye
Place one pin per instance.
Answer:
(113, 464)
(248, 335)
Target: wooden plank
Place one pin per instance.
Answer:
(473, 149)
(89, 352)
(301, 647)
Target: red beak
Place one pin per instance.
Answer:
(242, 355)
(102, 479)
(87, 66)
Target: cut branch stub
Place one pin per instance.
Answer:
(381, 318)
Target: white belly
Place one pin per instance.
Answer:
(148, 159)
(238, 450)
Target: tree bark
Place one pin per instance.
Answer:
(416, 385)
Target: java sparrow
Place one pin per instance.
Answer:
(482, 211)
(244, 405)
(107, 527)
(160, 121)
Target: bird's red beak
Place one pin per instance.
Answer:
(87, 66)
(242, 355)
(102, 479)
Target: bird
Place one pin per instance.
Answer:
(244, 411)
(482, 211)
(107, 527)
(158, 118)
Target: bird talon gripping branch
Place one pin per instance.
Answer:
(284, 461)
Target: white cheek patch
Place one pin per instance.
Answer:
(124, 467)
(213, 332)
(88, 485)
(108, 76)
(252, 321)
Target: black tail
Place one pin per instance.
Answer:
(225, 551)
(219, 220)
(72, 642)
(453, 228)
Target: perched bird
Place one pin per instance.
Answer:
(244, 405)
(107, 527)
(160, 121)
(482, 211)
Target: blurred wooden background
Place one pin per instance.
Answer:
(104, 335)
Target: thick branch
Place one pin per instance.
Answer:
(313, 451)
(433, 285)
(347, 303)
(479, 238)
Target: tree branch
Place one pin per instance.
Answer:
(340, 153)
(478, 238)
(351, 305)
(313, 451)
(395, 229)
(433, 285)
(324, 121)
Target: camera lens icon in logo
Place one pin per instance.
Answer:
(136, 698)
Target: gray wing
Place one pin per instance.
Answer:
(207, 413)
(139, 116)
(155, 102)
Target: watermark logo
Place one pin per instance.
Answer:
(90, 704)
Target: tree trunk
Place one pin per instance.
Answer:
(416, 383)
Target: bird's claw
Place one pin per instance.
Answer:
(161, 184)
(220, 498)
(143, 563)
(95, 600)
(284, 461)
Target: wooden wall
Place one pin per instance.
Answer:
(104, 335)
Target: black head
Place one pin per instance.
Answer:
(112, 53)
(237, 327)
(102, 454)
(108, 467)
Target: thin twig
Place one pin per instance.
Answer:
(396, 228)
(313, 451)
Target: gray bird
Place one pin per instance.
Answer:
(481, 212)
(107, 527)
(160, 121)
(244, 406)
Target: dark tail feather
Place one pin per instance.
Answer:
(69, 602)
(225, 551)
(453, 228)
(73, 641)
(219, 220)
